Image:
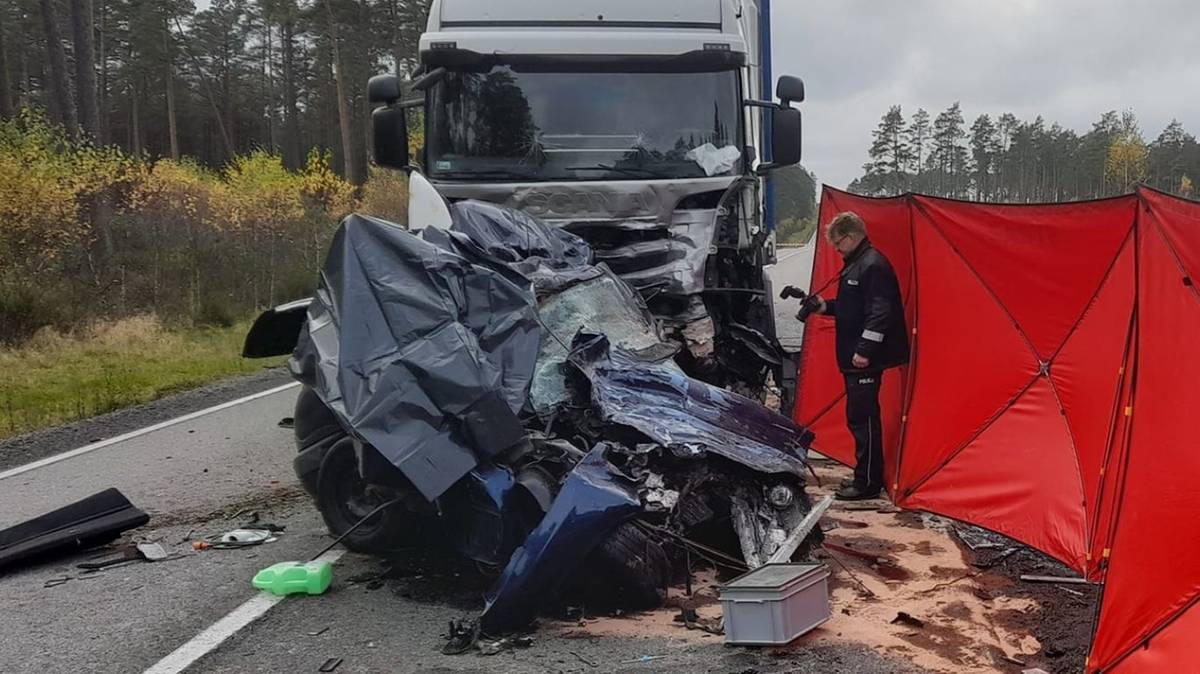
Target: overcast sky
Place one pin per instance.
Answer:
(1068, 60)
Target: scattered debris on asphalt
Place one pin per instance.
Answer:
(461, 636)
(287, 422)
(152, 552)
(903, 618)
(125, 555)
(644, 658)
(85, 524)
(1053, 579)
(319, 632)
(692, 621)
(330, 665)
(584, 660)
(238, 538)
(975, 538)
(995, 560)
(876, 506)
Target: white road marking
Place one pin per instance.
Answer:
(12, 472)
(205, 642)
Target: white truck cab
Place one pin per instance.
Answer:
(638, 126)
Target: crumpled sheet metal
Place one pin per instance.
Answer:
(667, 255)
(594, 499)
(419, 352)
(673, 262)
(688, 415)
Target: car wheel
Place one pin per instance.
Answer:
(344, 498)
(635, 568)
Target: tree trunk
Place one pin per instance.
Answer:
(227, 109)
(57, 59)
(6, 101)
(135, 122)
(292, 152)
(82, 31)
(269, 87)
(172, 120)
(23, 80)
(350, 166)
(105, 121)
(212, 101)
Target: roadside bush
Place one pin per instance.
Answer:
(122, 278)
(26, 308)
(88, 233)
(796, 230)
(386, 195)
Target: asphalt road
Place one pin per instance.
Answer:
(794, 267)
(212, 473)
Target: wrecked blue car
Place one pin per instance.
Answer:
(518, 399)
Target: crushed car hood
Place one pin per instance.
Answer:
(686, 415)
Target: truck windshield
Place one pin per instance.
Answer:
(536, 126)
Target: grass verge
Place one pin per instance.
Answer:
(55, 378)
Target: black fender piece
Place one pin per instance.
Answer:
(276, 331)
(93, 521)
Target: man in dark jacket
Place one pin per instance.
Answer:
(871, 337)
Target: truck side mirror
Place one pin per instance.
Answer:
(390, 137)
(383, 89)
(785, 139)
(789, 89)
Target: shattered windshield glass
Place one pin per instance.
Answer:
(602, 304)
(509, 125)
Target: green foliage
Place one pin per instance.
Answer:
(796, 230)
(89, 233)
(795, 190)
(1005, 159)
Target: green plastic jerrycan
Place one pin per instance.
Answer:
(295, 578)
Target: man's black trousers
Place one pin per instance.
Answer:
(862, 417)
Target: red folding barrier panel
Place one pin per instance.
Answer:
(1048, 394)
(1148, 618)
(1022, 323)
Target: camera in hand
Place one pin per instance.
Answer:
(808, 303)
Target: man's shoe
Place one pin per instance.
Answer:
(846, 483)
(853, 493)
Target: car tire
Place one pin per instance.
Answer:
(316, 430)
(343, 497)
(635, 569)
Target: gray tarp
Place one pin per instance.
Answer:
(421, 353)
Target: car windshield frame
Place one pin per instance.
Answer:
(569, 134)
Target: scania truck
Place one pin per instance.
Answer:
(641, 127)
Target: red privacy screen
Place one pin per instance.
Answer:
(1048, 394)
